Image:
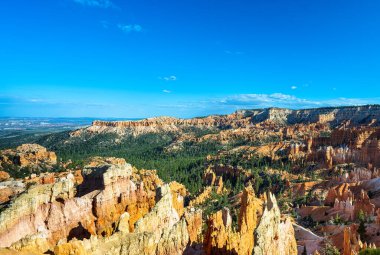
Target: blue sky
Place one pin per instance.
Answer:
(143, 58)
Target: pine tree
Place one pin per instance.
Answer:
(362, 230)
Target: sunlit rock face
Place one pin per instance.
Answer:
(32, 156)
(158, 232)
(32, 212)
(260, 229)
(114, 210)
(333, 116)
(245, 121)
(274, 236)
(61, 210)
(4, 176)
(109, 207)
(114, 191)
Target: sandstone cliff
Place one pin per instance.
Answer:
(274, 236)
(32, 156)
(159, 232)
(260, 230)
(60, 210)
(355, 115)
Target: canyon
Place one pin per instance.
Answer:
(265, 181)
(114, 208)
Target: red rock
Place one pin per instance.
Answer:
(47, 178)
(108, 191)
(341, 192)
(363, 203)
(4, 176)
(5, 194)
(194, 225)
(33, 156)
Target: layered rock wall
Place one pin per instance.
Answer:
(355, 115)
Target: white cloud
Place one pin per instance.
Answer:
(228, 104)
(96, 3)
(166, 91)
(35, 100)
(265, 100)
(130, 28)
(293, 87)
(168, 78)
(287, 101)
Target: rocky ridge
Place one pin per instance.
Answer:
(116, 209)
(324, 163)
(32, 156)
(349, 116)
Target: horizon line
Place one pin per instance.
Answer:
(158, 116)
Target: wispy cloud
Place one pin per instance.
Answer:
(229, 52)
(293, 87)
(168, 78)
(35, 106)
(35, 100)
(44, 107)
(288, 101)
(96, 3)
(228, 104)
(9, 100)
(265, 100)
(105, 24)
(128, 28)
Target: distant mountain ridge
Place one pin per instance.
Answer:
(335, 116)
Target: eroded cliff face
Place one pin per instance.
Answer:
(355, 115)
(115, 209)
(114, 190)
(274, 236)
(327, 136)
(61, 211)
(324, 162)
(260, 229)
(32, 156)
(31, 213)
(160, 231)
